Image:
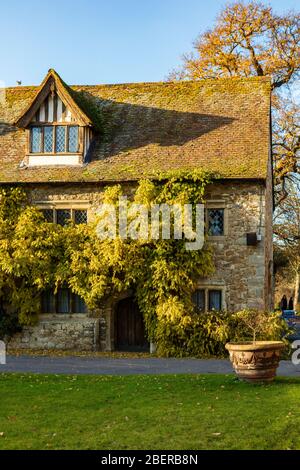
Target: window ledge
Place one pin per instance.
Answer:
(52, 154)
(62, 316)
(54, 159)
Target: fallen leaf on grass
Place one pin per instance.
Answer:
(11, 418)
(216, 434)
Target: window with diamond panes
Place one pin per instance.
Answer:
(73, 139)
(60, 139)
(63, 216)
(215, 222)
(48, 215)
(36, 139)
(80, 217)
(48, 139)
(66, 139)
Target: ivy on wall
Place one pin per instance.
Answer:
(162, 273)
(36, 255)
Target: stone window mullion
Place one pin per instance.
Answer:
(206, 300)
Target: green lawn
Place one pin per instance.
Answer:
(147, 412)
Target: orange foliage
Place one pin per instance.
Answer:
(248, 39)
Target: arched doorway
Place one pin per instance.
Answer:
(129, 327)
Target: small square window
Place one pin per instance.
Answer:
(215, 220)
(63, 216)
(80, 217)
(215, 300)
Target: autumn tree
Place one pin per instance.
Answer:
(249, 39)
(287, 232)
(286, 146)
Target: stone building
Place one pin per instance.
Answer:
(64, 144)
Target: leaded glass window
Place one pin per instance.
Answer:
(48, 139)
(63, 216)
(215, 300)
(80, 217)
(206, 299)
(63, 301)
(66, 139)
(60, 139)
(48, 302)
(48, 214)
(78, 304)
(215, 222)
(73, 139)
(36, 139)
(199, 299)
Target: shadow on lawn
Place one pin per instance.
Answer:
(278, 382)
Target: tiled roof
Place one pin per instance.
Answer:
(221, 125)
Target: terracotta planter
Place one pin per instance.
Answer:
(255, 362)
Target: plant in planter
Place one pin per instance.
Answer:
(256, 360)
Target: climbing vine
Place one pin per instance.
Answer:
(36, 255)
(162, 273)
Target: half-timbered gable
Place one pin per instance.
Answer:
(58, 131)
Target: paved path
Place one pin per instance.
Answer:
(110, 366)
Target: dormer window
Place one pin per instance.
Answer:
(54, 139)
(59, 131)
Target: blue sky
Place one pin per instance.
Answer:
(102, 41)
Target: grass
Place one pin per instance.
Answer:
(147, 412)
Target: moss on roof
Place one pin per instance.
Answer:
(13, 95)
(220, 125)
(86, 103)
(83, 101)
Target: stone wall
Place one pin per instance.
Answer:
(87, 196)
(76, 333)
(240, 269)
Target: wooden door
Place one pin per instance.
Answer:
(129, 327)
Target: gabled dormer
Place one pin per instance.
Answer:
(58, 131)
